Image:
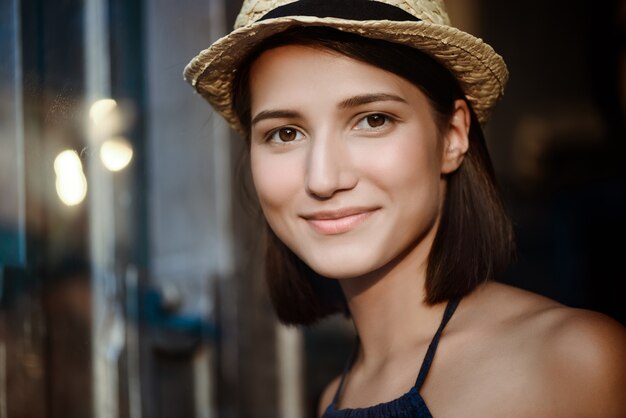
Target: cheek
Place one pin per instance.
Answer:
(405, 165)
(277, 181)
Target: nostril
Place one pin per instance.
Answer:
(325, 187)
(320, 184)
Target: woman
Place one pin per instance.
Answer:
(364, 125)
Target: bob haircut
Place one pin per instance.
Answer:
(474, 241)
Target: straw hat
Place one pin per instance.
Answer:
(421, 24)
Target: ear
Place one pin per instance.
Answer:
(456, 139)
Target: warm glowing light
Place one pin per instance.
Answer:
(72, 190)
(116, 153)
(67, 161)
(106, 119)
(102, 109)
(71, 183)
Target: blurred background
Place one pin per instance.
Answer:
(131, 277)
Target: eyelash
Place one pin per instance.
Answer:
(387, 120)
(271, 136)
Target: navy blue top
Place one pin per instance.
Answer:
(408, 405)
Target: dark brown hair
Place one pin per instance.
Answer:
(474, 241)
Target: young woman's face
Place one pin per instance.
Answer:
(346, 160)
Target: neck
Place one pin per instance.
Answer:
(388, 308)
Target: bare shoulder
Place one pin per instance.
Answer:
(586, 352)
(575, 358)
(327, 395)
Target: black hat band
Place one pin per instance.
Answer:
(342, 9)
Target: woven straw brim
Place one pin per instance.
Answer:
(481, 72)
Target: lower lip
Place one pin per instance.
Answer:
(339, 225)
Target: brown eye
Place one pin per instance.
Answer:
(287, 134)
(376, 120)
(375, 124)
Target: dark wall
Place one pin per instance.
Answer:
(557, 138)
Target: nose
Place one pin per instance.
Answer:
(329, 168)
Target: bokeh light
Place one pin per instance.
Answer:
(102, 109)
(106, 119)
(116, 153)
(71, 183)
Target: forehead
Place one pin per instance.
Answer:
(297, 73)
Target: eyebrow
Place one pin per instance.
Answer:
(369, 98)
(350, 102)
(274, 114)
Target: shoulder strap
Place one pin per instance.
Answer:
(428, 359)
(432, 348)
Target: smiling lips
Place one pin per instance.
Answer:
(338, 222)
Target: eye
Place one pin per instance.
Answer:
(284, 135)
(373, 121)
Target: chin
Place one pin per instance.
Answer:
(341, 267)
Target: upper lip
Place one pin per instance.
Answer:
(337, 214)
